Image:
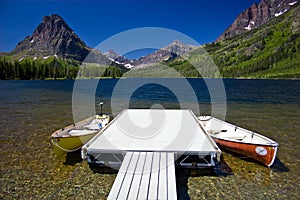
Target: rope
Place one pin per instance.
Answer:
(54, 194)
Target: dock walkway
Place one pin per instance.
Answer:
(145, 175)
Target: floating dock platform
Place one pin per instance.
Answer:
(153, 130)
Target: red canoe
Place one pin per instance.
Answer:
(240, 141)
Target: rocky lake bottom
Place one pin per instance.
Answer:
(30, 170)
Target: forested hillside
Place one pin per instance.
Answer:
(272, 51)
(53, 68)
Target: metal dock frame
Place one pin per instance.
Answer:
(109, 146)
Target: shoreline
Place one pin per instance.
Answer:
(94, 78)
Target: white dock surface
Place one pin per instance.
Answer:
(145, 175)
(152, 130)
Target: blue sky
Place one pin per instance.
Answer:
(95, 21)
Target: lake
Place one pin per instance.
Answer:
(31, 110)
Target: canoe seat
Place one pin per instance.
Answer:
(213, 132)
(92, 127)
(80, 132)
(237, 137)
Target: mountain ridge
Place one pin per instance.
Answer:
(169, 52)
(257, 15)
(271, 51)
(53, 37)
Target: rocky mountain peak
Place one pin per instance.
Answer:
(257, 15)
(178, 47)
(53, 37)
(51, 27)
(169, 52)
(117, 58)
(112, 54)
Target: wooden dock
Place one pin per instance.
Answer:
(145, 175)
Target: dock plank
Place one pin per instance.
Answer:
(130, 173)
(144, 185)
(154, 177)
(163, 168)
(114, 192)
(135, 185)
(171, 178)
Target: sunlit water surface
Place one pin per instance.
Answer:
(31, 110)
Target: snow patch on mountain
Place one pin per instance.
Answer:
(280, 13)
(293, 3)
(128, 66)
(46, 57)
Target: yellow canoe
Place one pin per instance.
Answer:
(73, 137)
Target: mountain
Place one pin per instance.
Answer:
(53, 37)
(271, 51)
(169, 52)
(113, 56)
(256, 16)
(55, 51)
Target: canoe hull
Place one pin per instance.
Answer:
(63, 145)
(264, 154)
